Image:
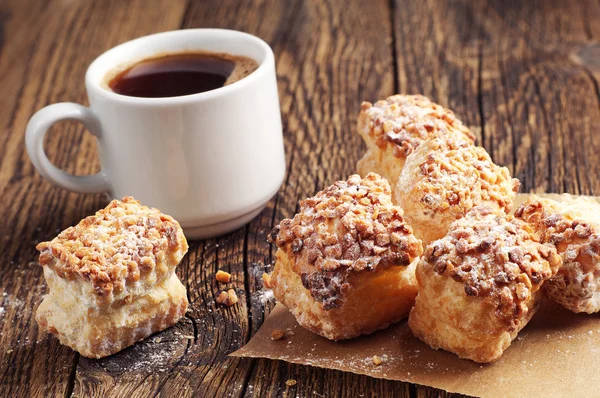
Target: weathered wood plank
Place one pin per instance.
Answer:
(540, 107)
(46, 47)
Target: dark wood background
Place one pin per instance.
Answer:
(523, 75)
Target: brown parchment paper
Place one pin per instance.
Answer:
(556, 354)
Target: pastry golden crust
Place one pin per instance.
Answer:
(343, 263)
(393, 128)
(480, 284)
(111, 278)
(444, 179)
(573, 226)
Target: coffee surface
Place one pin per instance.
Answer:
(177, 74)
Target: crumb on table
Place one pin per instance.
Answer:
(223, 277)
(227, 298)
(290, 382)
(277, 334)
(266, 280)
(377, 360)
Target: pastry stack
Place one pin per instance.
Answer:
(427, 233)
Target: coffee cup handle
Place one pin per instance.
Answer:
(34, 140)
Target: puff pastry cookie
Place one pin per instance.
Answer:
(111, 279)
(444, 178)
(573, 226)
(480, 284)
(344, 261)
(393, 128)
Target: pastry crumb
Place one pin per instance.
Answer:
(266, 280)
(290, 382)
(227, 298)
(277, 334)
(223, 277)
(377, 360)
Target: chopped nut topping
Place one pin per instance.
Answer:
(405, 121)
(277, 334)
(494, 255)
(571, 225)
(553, 226)
(227, 298)
(351, 226)
(223, 277)
(455, 176)
(119, 245)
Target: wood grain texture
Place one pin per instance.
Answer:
(524, 76)
(541, 109)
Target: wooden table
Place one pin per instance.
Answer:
(523, 76)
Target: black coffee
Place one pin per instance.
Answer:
(174, 75)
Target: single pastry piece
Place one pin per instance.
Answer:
(480, 284)
(445, 178)
(344, 261)
(573, 226)
(393, 128)
(111, 279)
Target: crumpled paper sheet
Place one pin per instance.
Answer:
(556, 354)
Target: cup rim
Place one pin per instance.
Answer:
(262, 69)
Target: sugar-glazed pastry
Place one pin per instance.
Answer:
(344, 261)
(393, 128)
(445, 178)
(480, 284)
(573, 226)
(111, 279)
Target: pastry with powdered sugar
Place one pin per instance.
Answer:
(345, 262)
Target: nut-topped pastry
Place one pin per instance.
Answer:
(573, 226)
(111, 278)
(445, 178)
(393, 128)
(480, 284)
(344, 261)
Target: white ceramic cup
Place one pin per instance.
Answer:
(211, 160)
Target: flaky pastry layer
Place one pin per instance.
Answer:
(373, 301)
(572, 225)
(345, 241)
(382, 162)
(480, 284)
(99, 333)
